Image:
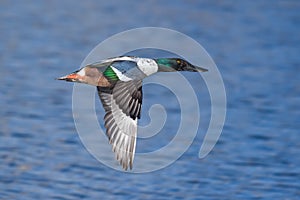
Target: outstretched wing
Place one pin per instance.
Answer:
(122, 103)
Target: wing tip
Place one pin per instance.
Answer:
(125, 163)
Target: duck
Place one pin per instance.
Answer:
(119, 86)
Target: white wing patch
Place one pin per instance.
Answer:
(120, 75)
(127, 71)
(144, 67)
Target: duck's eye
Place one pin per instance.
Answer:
(178, 61)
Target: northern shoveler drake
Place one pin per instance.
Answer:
(119, 84)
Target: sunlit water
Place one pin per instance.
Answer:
(256, 47)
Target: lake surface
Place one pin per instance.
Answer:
(256, 47)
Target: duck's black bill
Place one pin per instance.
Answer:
(193, 68)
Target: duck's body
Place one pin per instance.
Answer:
(119, 85)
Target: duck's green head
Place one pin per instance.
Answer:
(176, 64)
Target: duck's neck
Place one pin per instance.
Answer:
(164, 65)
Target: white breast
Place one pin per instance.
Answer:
(147, 66)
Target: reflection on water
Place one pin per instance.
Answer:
(254, 44)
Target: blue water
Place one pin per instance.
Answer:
(255, 45)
